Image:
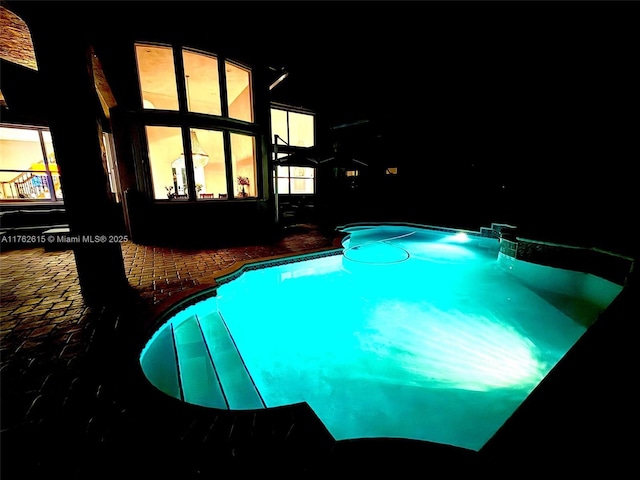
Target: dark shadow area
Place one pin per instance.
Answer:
(576, 421)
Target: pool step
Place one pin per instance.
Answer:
(211, 370)
(236, 381)
(197, 375)
(158, 362)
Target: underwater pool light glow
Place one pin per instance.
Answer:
(460, 237)
(453, 349)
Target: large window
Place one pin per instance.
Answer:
(244, 165)
(201, 83)
(294, 129)
(221, 163)
(28, 168)
(292, 132)
(168, 166)
(159, 89)
(239, 92)
(296, 180)
(167, 171)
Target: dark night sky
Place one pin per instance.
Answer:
(540, 96)
(549, 81)
(546, 81)
(464, 61)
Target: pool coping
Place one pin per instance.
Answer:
(208, 284)
(611, 266)
(615, 267)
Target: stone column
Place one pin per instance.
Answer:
(72, 108)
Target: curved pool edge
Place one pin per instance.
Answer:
(161, 312)
(208, 284)
(165, 309)
(613, 266)
(492, 231)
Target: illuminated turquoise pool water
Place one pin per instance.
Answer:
(406, 332)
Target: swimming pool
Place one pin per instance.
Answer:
(405, 331)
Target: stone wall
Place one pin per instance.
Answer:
(613, 267)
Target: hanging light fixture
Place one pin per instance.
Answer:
(198, 154)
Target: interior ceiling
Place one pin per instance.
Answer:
(199, 83)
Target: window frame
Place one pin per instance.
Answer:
(290, 178)
(281, 147)
(186, 120)
(46, 173)
(285, 144)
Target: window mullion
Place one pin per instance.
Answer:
(228, 162)
(48, 176)
(288, 137)
(222, 78)
(184, 112)
(180, 80)
(188, 162)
